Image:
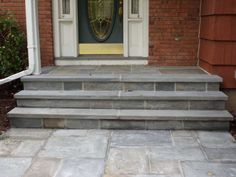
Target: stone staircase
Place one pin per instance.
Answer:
(121, 101)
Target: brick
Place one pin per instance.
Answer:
(173, 30)
(17, 8)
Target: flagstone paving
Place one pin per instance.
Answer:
(103, 153)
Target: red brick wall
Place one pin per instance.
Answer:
(218, 39)
(46, 32)
(174, 29)
(17, 7)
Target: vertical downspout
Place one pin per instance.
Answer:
(31, 7)
(199, 34)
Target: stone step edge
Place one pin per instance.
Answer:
(123, 78)
(121, 95)
(110, 114)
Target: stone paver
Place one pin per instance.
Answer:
(141, 138)
(27, 148)
(216, 139)
(183, 133)
(136, 176)
(176, 153)
(185, 141)
(165, 168)
(81, 133)
(83, 168)
(14, 167)
(43, 168)
(127, 161)
(75, 147)
(104, 153)
(29, 133)
(8, 145)
(204, 169)
(221, 154)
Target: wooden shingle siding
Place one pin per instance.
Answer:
(218, 39)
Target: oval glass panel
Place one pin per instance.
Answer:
(101, 16)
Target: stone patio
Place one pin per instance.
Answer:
(102, 153)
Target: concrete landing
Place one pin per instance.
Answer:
(102, 153)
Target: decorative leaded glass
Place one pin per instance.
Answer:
(101, 15)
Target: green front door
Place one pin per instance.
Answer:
(101, 26)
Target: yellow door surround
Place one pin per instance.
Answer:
(101, 49)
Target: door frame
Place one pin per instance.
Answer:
(145, 27)
(66, 29)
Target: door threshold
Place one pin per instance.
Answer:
(101, 57)
(101, 60)
(101, 49)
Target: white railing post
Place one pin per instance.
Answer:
(32, 26)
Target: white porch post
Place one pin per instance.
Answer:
(32, 26)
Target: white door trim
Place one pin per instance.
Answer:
(146, 28)
(66, 27)
(125, 28)
(56, 34)
(120, 62)
(136, 32)
(65, 30)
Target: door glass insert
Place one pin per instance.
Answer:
(101, 16)
(135, 7)
(65, 7)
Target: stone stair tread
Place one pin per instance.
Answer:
(120, 95)
(113, 114)
(125, 78)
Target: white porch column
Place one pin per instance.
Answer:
(32, 27)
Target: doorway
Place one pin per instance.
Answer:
(100, 27)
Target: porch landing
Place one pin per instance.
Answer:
(128, 69)
(102, 153)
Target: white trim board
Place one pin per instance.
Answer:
(100, 62)
(65, 30)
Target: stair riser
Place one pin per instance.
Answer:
(118, 124)
(123, 86)
(124, 104)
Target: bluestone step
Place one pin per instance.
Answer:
(118, 119)
(119, 114)
(120, 95)
(125, 82)
(123, 100)
(126, 78)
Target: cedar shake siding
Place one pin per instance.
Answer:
(218, 39)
